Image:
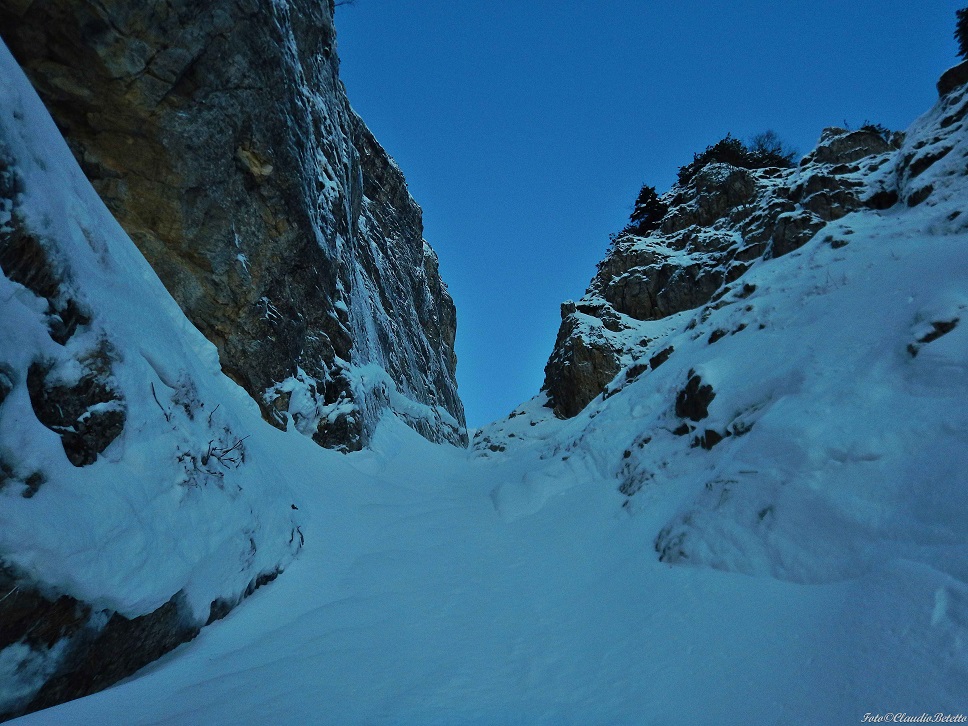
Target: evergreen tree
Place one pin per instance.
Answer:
(961, 32)
(647, 212)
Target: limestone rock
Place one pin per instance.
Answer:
(87, 413)
(96, 655)
(220, 136)
(692, 402)
(840, 146)
(582, 364)
(718, 224)
(953, 79)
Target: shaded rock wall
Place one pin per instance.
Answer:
(221, 138)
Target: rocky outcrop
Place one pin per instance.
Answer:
(583, 360)
(953, 79)
(715, 227)
(841, 146)
(221, 138)
(811, 406)
(64, 642)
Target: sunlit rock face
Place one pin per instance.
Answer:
(220, 136)
(715, 227)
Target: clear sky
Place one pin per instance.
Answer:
(525, 128)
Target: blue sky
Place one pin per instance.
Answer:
(525, 129)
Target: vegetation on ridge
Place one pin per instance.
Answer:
(764, 150)
(961, 32)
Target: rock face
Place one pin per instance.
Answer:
(715, 227)
(221, 138)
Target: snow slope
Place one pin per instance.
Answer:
(416, 602)
(605, 570)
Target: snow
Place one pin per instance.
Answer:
(813, 564)
(415, 601)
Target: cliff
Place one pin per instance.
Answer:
(716, 226)
(751, 449)
(220, 137)
(771, 373)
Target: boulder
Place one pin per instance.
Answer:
(953, 79)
